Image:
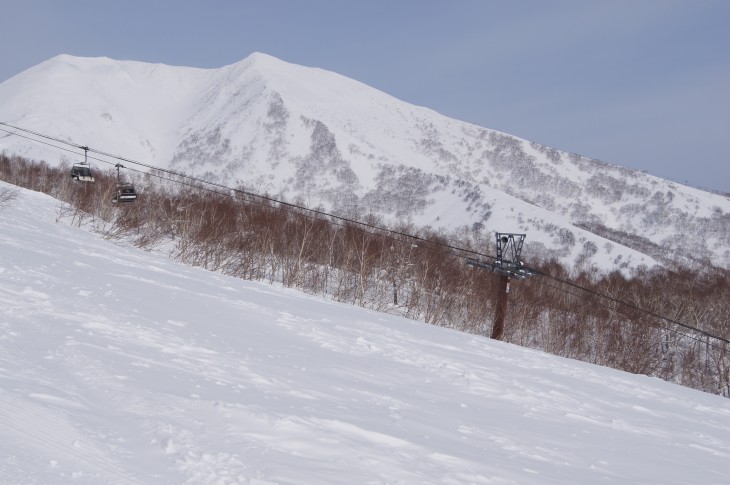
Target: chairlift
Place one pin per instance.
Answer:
(81, 171)
(124, 192)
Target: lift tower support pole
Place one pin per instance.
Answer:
(500, 310)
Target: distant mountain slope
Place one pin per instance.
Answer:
(315, 136)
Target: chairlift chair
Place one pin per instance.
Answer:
(81, 171)
(125, 191)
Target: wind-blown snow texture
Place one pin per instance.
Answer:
(314, 136)
(123, 367)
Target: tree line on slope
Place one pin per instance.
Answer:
(422, 279)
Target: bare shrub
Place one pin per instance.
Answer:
(7, 196)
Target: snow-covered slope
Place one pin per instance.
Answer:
(122, 367)
(317, 137)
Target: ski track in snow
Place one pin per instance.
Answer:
(120, 366)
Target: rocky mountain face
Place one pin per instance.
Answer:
(315, 137)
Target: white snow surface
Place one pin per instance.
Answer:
(119, 366)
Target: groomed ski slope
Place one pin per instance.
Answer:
(119, 366)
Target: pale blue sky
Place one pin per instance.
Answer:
(639, 83)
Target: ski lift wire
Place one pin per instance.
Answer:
(280, 205)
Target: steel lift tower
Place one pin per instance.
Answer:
(509, 265)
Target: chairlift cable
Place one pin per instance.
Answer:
(620, 302)
(263, 197)
(634, 307)
(457, 251)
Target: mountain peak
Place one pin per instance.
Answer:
(262, 58)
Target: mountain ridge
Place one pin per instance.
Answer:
(308, 134)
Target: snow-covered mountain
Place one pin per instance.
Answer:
(119, 366)
(314, 136)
